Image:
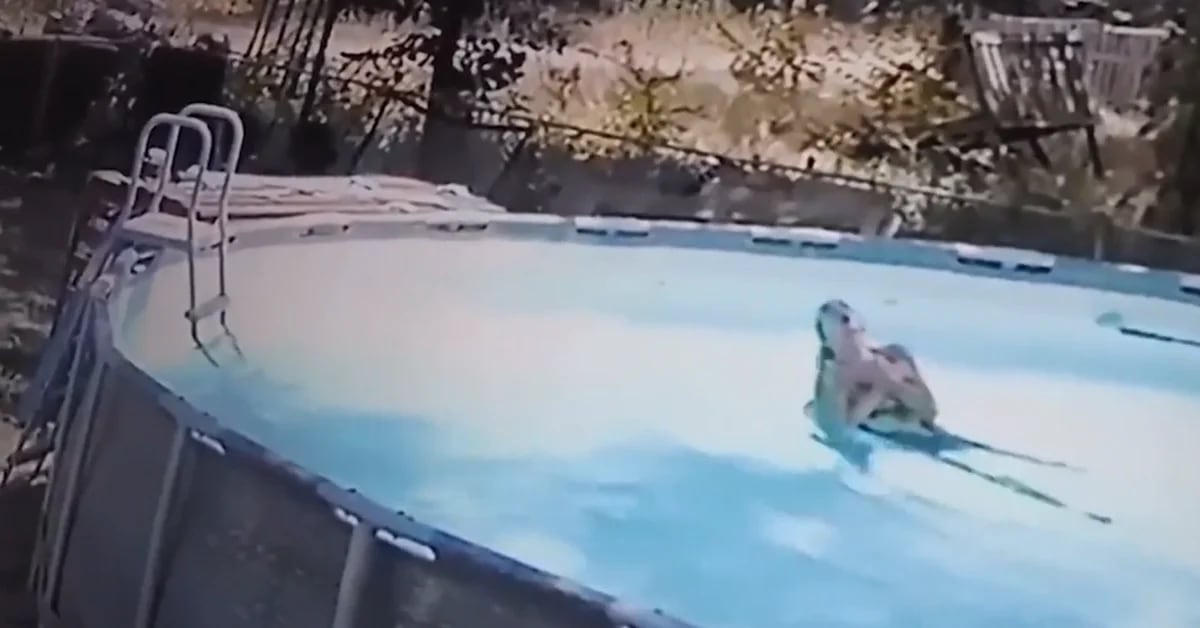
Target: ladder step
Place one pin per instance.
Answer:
(208, 308)
(159, 229)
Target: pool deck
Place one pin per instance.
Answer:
(256, 196)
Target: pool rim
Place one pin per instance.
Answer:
(1015, 264)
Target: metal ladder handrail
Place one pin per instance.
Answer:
(100, 256)
(196, 110)
(176, 122)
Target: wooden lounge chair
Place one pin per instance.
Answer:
(1028, 87)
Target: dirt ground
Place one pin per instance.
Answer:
(18, 512)
(34, 229)
(35, 218)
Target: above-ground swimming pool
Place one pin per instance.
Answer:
(628, 413)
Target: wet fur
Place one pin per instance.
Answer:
(894, 354)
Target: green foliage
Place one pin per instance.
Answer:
(1173, 130)
(24, 15)
(866, 98)
(496, 41)
(643, 104)
(875, 101)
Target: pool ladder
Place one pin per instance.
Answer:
(187, 232)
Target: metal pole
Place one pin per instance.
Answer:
(296, 64)
(354, 575)
(99, 258)
(86, 413)
(166, 170)
(258, 25)
(267, 17)
(62, 425)
(153, 570)
(231, 164)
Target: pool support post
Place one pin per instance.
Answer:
(354, 574)
(85, 415)
(62, 425)
(153, 569)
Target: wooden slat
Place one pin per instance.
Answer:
(1030, 81)
(1117, 59)
(1120, 61)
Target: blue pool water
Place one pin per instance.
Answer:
(632, 419)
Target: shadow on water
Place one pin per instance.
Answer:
(939, 441)
(856, 451)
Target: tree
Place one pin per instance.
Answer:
(457, 41)
(1175, 125)
(1186, 185)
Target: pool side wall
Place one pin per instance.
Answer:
(157, 516)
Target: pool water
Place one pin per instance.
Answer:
(632, 418)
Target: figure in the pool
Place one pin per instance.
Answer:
(878, 389)
(863, 381)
